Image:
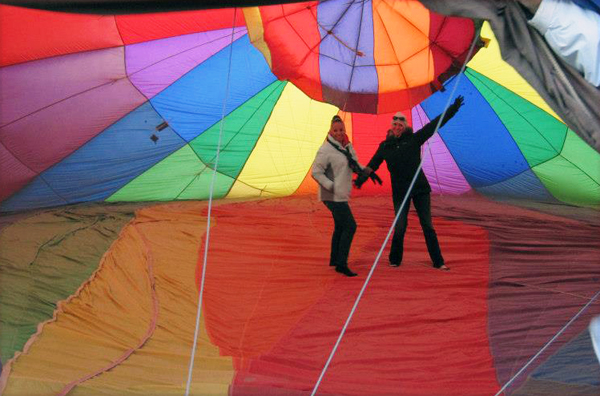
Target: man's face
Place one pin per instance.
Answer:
(399, 125)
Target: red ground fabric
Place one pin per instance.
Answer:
(274, 304)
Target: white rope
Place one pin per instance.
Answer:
(362, 290)
(548, 344)
(210, 198)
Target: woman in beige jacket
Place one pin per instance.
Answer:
(333, 168)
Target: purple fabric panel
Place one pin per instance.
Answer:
(29, 87)
(152, 66)
(13, 174)
(540, 283)
(49, 135)
(438, 164)
(544, 269)
(340, 65)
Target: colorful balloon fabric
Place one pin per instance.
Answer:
(102, 116)
(362, 56)
(130, 107)
(505, 141)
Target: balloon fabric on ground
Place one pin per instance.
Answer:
(100, 287)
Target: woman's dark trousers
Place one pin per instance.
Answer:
(344, 230)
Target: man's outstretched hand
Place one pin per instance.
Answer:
(453, 108)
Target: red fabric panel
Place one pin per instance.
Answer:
(278, 309)
(293, 37)
(368, 130)
(390, 102)
(255, 289)
(450, 42)
(27, 34)
(145, 27)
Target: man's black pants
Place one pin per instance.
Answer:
(343, 233)
(422, 203)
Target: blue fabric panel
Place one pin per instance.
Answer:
(340, 66)
(480, 144)
(37, 194)
(103, 165)
(525, 185)
(195, 102)
(593, 5)
(574, 363)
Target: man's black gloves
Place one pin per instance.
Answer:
(363, 177)
(453, 108)
(375, 178)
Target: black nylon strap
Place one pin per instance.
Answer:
(351, 161)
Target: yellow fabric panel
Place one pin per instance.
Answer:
(287, 147)
(401, 35)
(309, 185)
(256, 31)
(488, 61)
(113, 311)
(242, 190)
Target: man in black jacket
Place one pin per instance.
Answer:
(401, 151)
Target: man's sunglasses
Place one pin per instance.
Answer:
(398, 118)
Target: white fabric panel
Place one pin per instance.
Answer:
(573, 33)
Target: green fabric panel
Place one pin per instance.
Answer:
(582, 156)
(44, 258)
(185, 174)
(165, 180)
(241, 130)
(199, 188)
(179, 176)
(574, 176)
(538, 134)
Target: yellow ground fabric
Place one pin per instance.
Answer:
(113, 312)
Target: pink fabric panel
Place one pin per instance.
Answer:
(70, 106)
(13, 174)
(33, 86)
(152, 66)
(438, 164)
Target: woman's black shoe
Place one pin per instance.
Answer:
(345, 270)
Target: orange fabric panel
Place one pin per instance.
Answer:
(27, 34)
(401, 45)
(347, 118)
(308, 185)
(113, 314)
(144, 27)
